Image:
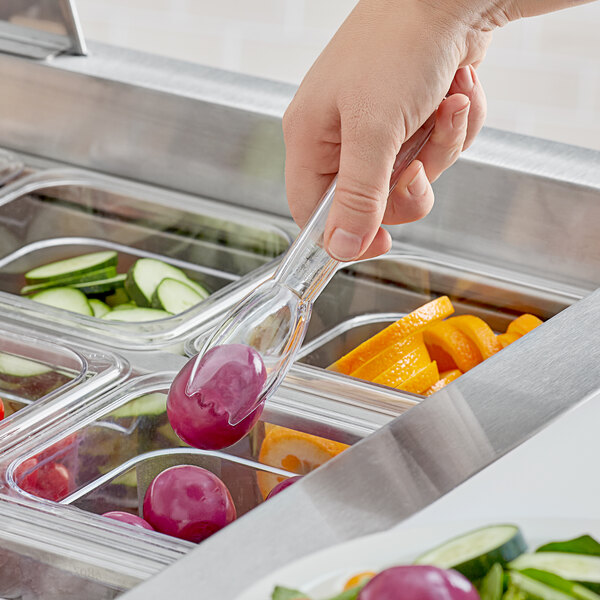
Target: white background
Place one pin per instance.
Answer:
(542, 75)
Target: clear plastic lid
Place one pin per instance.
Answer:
(62, 214)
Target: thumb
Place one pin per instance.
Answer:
(366, 159)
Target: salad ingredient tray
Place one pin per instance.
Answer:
(57, 215)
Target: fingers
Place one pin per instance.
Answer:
(412, 198)
(367, 155)
(312, 156)
(459, 119)
(448, 137)
(466, 82)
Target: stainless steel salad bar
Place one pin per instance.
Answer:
(150, 158)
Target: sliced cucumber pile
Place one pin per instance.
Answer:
(90, 285)
(475, 553)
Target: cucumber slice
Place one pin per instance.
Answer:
(99, 308)
(151, 404)
(72, 267)
(175, 297)
(119, 297)
(21, 367)
(531, 589)
(70, 281)
(575, 590)
(101, 286)
(198, 288)
(66, 298)
(136, 315)
(126, 306)
(474, 554)
(492, 585)
(145, 276)
(581, 568)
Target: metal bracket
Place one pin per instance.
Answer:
(40, 29)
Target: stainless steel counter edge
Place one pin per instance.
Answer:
(407, 464)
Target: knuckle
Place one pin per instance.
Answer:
(359, 198)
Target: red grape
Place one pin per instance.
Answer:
(51, 480)
(1, 409)
(188, 502)
(125, 517)
(418, 582)
(282, 485)
(228, 378)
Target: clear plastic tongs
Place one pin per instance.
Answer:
(273, 318)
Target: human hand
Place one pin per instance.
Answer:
(384, 72)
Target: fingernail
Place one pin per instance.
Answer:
(464, 78)
(344, 245)
(418, 185)
(459, 118)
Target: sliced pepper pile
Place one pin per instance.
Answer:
(425, 350)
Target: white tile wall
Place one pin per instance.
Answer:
(542, 75)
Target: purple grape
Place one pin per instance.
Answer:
(418, 582)
(125, 517)
(282, 485)
(228, 379)
(188, 502)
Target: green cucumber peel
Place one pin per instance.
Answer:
(76, 266)
(150, 404)
(70, 281)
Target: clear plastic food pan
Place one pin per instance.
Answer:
(43, 379)
(365, 297)
(60, 214)
(104, 457)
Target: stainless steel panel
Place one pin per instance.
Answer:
(406, 465)
(512, 201)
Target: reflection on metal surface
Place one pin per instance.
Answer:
(40, 29)
(408, 464)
